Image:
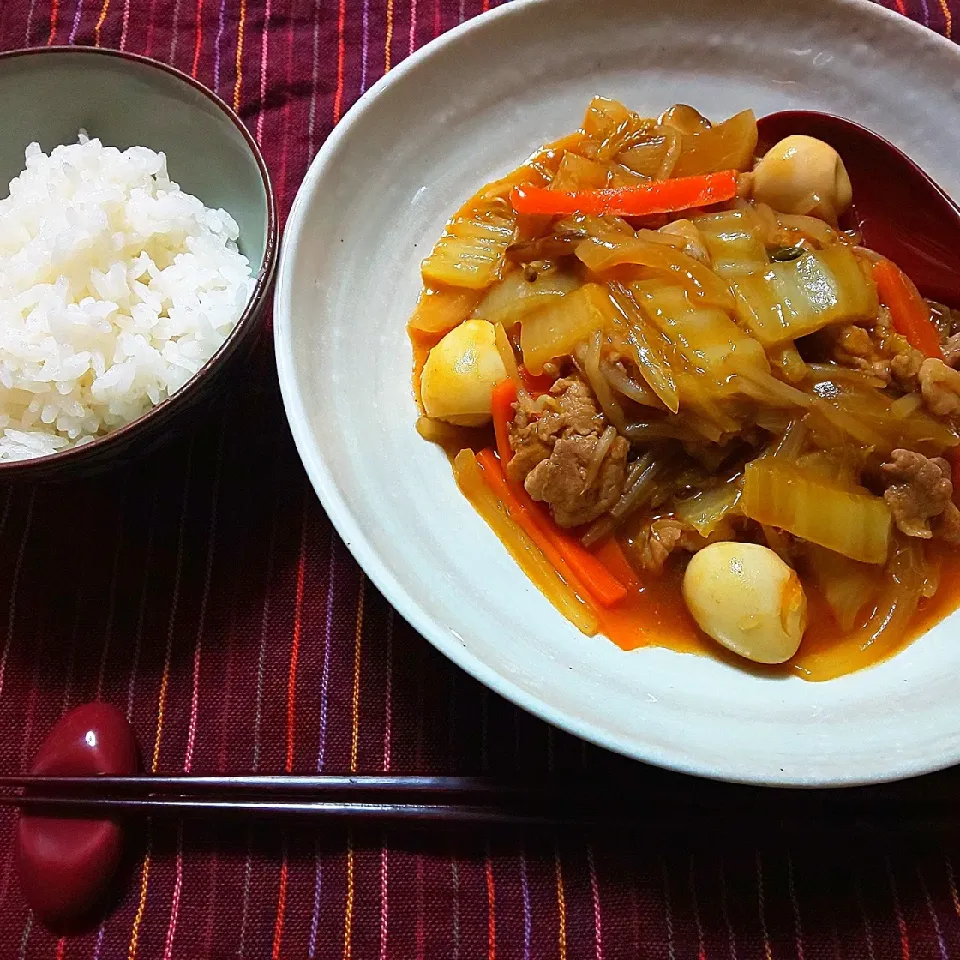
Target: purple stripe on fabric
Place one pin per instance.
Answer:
(173, 39)
(99, 944)
(312, 116)
(315, 916)
(26, 35)
(455, 877)
(364, 46)
(264, 622)
(327, 645)
(25, 939)
(76, 22)
(926, 12)
(527, 912)
(216, 46)
(258, 716)
(321, 752)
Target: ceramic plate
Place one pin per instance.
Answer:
(466, 109)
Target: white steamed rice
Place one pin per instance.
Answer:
(115, 288)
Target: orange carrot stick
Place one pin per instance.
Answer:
(908, 310)
(560, 549)
(661, 196)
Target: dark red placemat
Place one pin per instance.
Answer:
(205, 592)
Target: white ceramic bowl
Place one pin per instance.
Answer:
(469, 107)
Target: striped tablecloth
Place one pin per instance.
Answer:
(205, 592)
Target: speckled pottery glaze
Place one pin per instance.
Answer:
(468, 108)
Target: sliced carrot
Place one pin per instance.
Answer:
(561, 550)
(519, 511)
(908, 310)
(611, 555)
(661, 196)
(501, 407)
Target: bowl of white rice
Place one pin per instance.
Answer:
(138, 240)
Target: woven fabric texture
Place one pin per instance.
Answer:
(205, 593)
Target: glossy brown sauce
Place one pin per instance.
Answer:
(654, 612)
(825, 653)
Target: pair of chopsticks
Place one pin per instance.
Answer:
(687, 807)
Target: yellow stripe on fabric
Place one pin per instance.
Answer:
(162, 696)
(145, 875)
(161, 708)
(239, 81)
(389, 40)
(354, 747)
(561, 907)
(141, 906)
(100, 19)
(947, 19)
(348, 915)
(355, 703)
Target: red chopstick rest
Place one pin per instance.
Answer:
(66, 864)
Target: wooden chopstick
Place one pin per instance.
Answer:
(273, 786)
(659, 824)
(108, 807)
(597, 792)
(572, 801)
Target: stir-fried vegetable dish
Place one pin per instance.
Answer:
(693, 407)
